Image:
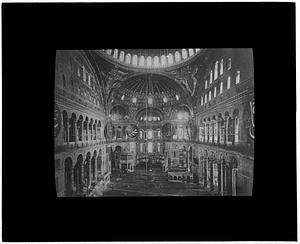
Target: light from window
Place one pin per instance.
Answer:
(115, 53)
(177, 97)
(191, 52)
(205, 98)
(206, 84)
(142, 61)
(165, 99)
(221, 87)
(216, 70)
(170, 59)
(229, 64)
(122, 98)
(121, 58)
(184, 53)
(215, 91)
(238, 77)
(134, 60)
(209, 96)
(221, 67)
(128, 58)
(210, 77)
(177, 56)
(201, 101)
(228, 82)
(149, 61)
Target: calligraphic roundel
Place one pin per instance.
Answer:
(132, 131)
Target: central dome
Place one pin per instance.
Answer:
(151, 58)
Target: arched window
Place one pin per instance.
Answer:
(228, 82)
(191, 52)
(134, 60)
(177, 56)
(121, 58)
(206, 84)
(150, 147)
(79, 127)
(216, 70)
(128, 58)
(215, 91)
(108, 51)
(184, 53)
(209, 96)
(142, 61)
(156, 61)
(115, 53)
(163, 60)
(221, 87)
(149, 61)
(205, 98)
(210, 77)
(141, 148)
(150, 134)
(238, 77)
(72, 131)
(229, 64)
(221, 67)
(201, 100)
(170, 59)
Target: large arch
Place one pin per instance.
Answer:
(68, 177)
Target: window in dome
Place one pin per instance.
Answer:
(121, 58)
(205, 98)
(215, 91)
(201, 100)
(229, 64)
(216, 70)
(209, 96)
(163, 60)
(184, 53)
(156, 61)
(142, 61)
(134, 99)
(170, 59)
(158, 118)
(115, 53)
(238, 77)
(165, 99)
(191, 52)
(228, 82)
(134, 60)
(206, 84)
(177, 56)
(108, 51)
(177, 97)
(210, 77)
(221, 67)
(122, 98)
(149, 61)
(221, 88)
(128, 58)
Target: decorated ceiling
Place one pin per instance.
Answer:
(140, 87)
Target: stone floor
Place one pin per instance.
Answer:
(154, 183)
